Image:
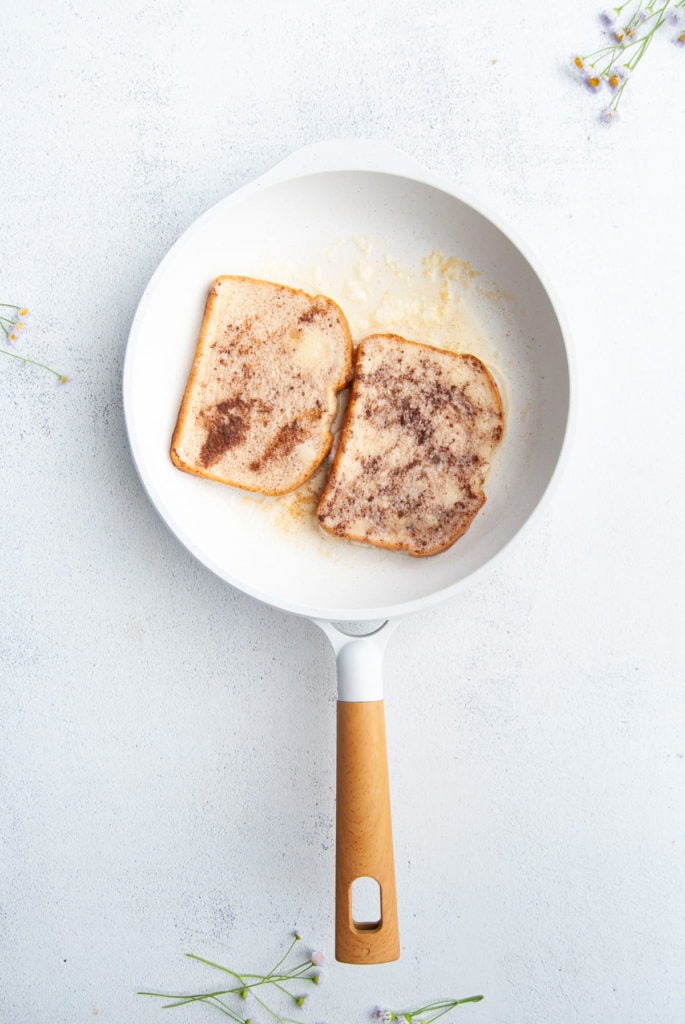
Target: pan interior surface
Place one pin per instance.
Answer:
(263, 545)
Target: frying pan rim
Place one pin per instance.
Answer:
(381, 612)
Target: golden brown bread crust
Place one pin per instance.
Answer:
(262, 391)
(418, 434)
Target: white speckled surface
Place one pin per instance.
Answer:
(167, 743)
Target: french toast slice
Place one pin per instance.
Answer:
(262, 392)
(419, 432)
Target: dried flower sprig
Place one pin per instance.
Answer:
(13, 325)
(15, 322)
(228, 1000)
(631, 28)
(423, 1014)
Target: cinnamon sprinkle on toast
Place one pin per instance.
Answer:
(419, 432)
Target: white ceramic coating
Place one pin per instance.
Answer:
(304, 206)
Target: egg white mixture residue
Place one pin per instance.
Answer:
(378, 293)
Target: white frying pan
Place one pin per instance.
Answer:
(294, 224)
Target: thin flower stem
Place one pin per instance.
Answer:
(448, 1003)
(34, 362)
(638, 55)
(10, 305)
(631, 38)
(273, 980)
(297, 976)
(182, 1000)
(226, 1010)
(617, 98)
(303, 965)
(198, 997)
(281, 988)
(265, 979)
(203, 997)
(646, 41)
(229, 1012)
(279, 977)
(649, 17)
(451, 1007)
(267, 1008)
(615, 50)
(234, 974)
(603, 49)
(284, 957)
(442, 1005)
(210, 963)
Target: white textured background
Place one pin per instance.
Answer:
(167, 743)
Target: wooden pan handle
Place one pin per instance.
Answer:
(364, 834)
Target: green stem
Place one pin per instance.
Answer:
(646, 40)
(283, 958)
(443, 1005)
(474, 999)
(266, 979)
(24, 359)
(616, 49)
(210, 963)
(234, 974)
(267, 1008)
(617, 96)
(245, 981)
(226, 1010)
(182, 1000)
(299, 969)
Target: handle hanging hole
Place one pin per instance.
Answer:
(366, 903)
